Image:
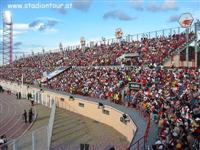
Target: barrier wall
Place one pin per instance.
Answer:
(108, 115)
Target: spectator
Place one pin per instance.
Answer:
(30, 115)
(25, 116)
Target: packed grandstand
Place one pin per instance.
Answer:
(170, 96)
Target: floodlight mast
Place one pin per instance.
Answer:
(7, 38)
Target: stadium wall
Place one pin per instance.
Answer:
(77, 105)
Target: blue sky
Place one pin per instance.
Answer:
(37, 28)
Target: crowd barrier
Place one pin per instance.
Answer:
(141, 143)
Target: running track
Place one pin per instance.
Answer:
(11, 121)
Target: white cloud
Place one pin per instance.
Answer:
(137, 4)
(20, 26)
(17, 32)
(118, 14)
(44, 24)
(167, 5)
(83, 5)
(38, 26)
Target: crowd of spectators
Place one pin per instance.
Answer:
(97, 82)
(152, 50)
(170, 96)
(32, 68)
(28, 75)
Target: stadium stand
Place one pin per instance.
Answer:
(152, 50)
(170, 96)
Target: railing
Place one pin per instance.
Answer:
(136, 37)
(141, 143)
(31, 141)
(50, 124)
(35, 140)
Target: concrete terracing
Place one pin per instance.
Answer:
(71, 129)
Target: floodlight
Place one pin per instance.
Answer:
(7, 17)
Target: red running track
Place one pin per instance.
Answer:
(11, 121)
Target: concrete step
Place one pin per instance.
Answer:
(66, 120)
(68, 137)
(72, 140)
(67, 127)
(69, 130)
